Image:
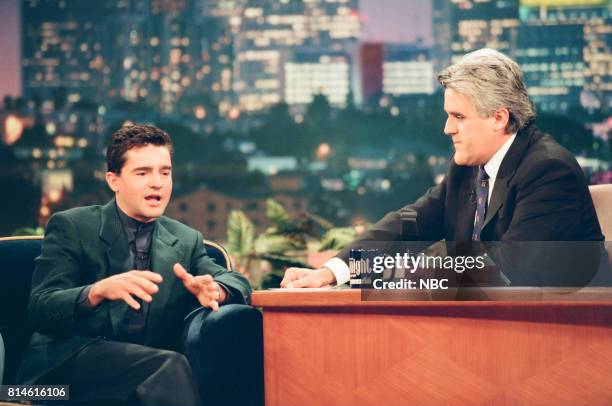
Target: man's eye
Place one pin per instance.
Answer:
(140, 174)
(166, 173)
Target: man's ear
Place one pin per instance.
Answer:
(112, 181)
(501, 117)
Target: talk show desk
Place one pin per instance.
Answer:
(517, 347)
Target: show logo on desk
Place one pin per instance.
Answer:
(361, 265)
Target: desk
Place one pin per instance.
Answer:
(524, 347)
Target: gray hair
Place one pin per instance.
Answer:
(492, 81)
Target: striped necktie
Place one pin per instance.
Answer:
(482, 195)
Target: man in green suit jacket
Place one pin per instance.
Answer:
(114, 284)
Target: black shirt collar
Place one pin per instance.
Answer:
(133, 225)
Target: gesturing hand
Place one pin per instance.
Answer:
(141, 284)
(204, 287)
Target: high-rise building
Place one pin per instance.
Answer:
(155, 51)
(468, 25)
(550, 56)
(442, 33)
(396, 70)
(272, 31)
(64, 52)
(407, 69)
(310, 73)
(220, 25)
(564, 50)
(159, 46)
(563, 46)
(371, 56)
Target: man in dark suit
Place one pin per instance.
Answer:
(507, 181)
(114, 285)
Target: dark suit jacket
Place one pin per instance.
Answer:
(540, 194)
(86, 244)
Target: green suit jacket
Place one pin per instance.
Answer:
(87, 244)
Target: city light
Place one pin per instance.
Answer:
(323, 151)
(199, 112)
(55, 195)
(65, 141)
(234, 113)
(45, 211)
(50, 127)
(13, 128)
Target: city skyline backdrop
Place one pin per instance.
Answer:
(330, 106)
(399, 21)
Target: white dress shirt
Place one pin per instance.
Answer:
(341, 270)
(492, 167)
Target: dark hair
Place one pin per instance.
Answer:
(133, 136)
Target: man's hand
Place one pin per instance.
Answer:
(307, 278)
(141, 284)
(204, 287)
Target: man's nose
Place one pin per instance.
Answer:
(155, 180)
(449, 127)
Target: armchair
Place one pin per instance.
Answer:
(16, 267)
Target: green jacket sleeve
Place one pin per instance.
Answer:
(239, 290)
(56, 282)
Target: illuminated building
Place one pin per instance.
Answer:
(158, 48)
(178, 56)
(550, 56)
(563, 46)
(218, 27)
(468, 25)
(407, 69)
(395, 69)
(64, 57)
(441, 33)
(564, 49)
(271, 31)
(151, 51)
(311, 73)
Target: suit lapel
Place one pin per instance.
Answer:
(117, 256)
(164, 256)
(507, 170)
(465, 224)
(500, 190)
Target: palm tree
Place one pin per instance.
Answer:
(287, 242)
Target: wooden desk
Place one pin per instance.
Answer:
(527, 347)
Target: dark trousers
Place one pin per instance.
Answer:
(223, 361)
(225, 350)
(118, 373)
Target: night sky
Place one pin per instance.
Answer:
(10, 76)
(385, 20)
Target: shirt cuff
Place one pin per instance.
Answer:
(83, 306)
(228, 292)
(340, 270)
